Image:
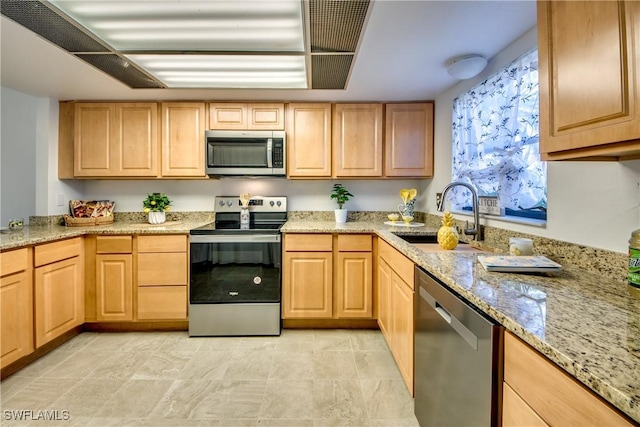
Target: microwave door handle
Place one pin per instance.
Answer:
(269, 152)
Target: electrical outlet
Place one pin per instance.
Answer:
(438, 198)
(60, 201)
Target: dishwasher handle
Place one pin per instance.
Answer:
(443, 312)
(456, 324)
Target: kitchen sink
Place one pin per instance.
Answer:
(430, 244)
(419, 238)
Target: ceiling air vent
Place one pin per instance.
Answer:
(48, 24)
(330, 71)
(335, 30)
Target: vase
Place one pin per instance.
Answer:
(341, 215)
(157, 217)
(406, 209)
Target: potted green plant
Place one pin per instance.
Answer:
(156, 205)
(341, 195)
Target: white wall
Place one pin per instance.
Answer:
(303, 195)
(17, 155)
(594, 204)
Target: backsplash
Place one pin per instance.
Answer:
(597, 261)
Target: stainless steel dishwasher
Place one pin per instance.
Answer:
(457, 375)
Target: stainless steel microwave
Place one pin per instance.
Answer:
(248, 153)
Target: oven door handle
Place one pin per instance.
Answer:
(225, 238)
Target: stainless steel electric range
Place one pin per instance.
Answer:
(235, 281)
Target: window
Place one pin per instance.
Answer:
(495, 141)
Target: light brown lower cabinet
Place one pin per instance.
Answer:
(114, 278)
(16, 306)
(59, 289)
(114, 287)
(537, 392)
(162, 277)
(353, 271)
(395, 289)
(327, 276)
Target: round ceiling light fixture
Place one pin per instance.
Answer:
(466, 66)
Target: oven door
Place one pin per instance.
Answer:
(242, 268)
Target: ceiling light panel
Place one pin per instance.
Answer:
(151, 25)
(226, 71)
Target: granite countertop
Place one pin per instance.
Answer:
(588, 324)
(37, 234)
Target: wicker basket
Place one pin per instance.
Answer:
(70, 221)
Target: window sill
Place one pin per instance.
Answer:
(507, 218)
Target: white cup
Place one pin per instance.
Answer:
(520, 246)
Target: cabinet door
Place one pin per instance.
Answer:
(16, 317)
(183, 125)
(59, 299)
(227, 116)
(357, 140)
(114, 287)
(94, 130)
(402, 328)
(354, 286)
(307, 285)
(265, 116)
(589, 68)
(308, 140)
(136, 142)
(384, 298)
(409, 140)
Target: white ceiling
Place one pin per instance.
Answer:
(401, 56)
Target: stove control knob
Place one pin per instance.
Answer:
(279, 203)
(257, 280)
(229, 203)
(221, 203)
(271, 203)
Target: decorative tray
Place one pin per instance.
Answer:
(89, 212)
(404, 224)
(519, 264)
(91, 208)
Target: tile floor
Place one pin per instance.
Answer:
(301, 378)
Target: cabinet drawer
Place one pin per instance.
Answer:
(13, 261)
(399, 263)
(354, 242)
(56, 251)
(162, 303)
(554, 395)
(308, 242)
(114, 244)
(176, 243)
(162, 269)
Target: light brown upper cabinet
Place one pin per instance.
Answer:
(589, 68)
(183, 126)
(243, 116)
(357, 140)
(115, 140)
(309, 140)
(409, 140)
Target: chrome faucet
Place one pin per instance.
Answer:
(476, 231)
